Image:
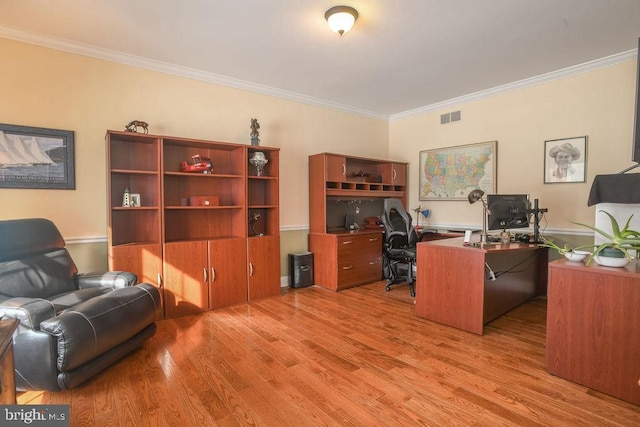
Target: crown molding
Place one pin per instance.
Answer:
(167, 68)
(180, 71)
(520, 84)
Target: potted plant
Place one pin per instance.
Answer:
(619, 242)
(572, 254)
(614, 252)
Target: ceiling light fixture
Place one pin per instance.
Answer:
(341, 18)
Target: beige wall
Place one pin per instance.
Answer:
(43, 87)
(598, 104)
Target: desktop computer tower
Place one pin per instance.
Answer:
(301, 270)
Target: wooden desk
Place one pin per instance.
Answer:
(7, 376)
(593, 327)
(453, 288)
(426, 235)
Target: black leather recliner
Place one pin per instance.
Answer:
(72, 326)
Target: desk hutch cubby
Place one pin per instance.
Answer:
(190, 234)
(344, 190)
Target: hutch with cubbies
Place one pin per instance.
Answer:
(343, 191)
(190, 236)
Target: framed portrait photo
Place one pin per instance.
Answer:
(565, 160)
(135, 201)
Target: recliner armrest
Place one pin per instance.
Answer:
(93, 327)
(29, 311)
(111, 279)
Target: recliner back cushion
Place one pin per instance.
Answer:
(20, 238)
(38, 276)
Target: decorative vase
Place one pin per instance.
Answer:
(258, 160)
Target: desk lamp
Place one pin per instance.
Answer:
(473, 197)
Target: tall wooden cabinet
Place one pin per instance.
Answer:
(202, 255)
(343, 191)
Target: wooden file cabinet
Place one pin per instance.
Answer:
(348, 259)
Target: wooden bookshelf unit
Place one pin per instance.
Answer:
(201, 255)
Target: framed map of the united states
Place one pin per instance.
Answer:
(451, 173)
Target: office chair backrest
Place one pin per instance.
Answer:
(397, 225)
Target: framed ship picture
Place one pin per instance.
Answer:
(36, 158)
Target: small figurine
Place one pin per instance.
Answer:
(126, 198)
(135, 124)
(254, 132)
(253, 219)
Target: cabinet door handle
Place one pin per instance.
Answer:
(213, 274)
(347, 242)
(204, 271)
(347, 267)
(373, 239)
(250, 269)
(344, 169)
(159, 280)
(394, 174)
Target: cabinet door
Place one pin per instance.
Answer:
(228, 279)
(336, 168)
(145, 261)
(263, 266)
(399, 174)
(186, 277)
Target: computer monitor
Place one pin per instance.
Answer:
(508, 211)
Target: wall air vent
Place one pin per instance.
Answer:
(451, 117)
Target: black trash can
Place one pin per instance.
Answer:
(301, 270)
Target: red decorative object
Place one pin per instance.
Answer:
(198, 164)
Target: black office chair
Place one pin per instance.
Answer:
(399, 245)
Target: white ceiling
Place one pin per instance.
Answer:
(400, 56)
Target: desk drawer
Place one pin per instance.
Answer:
(359, 244)
(357, 271)
(359, 259)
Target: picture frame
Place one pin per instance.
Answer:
(565, 160)
(452, 173)
(32, 157)
(135, 201)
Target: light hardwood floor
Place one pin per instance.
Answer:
(358, 357)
